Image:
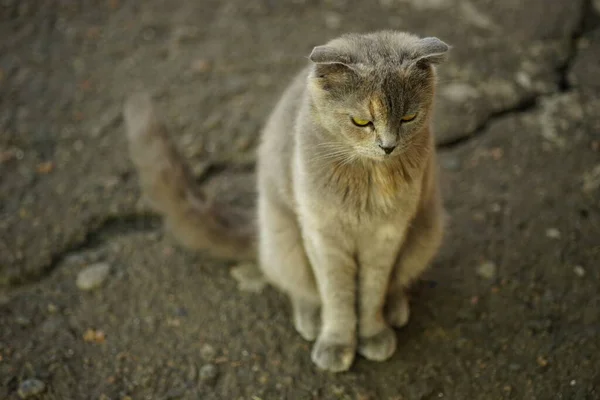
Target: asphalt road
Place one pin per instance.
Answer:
(509, 310)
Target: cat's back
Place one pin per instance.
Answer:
(277, 140)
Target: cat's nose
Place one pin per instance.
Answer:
(387, 149)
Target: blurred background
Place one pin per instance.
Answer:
(97, 302)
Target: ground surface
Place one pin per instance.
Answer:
(510, 309)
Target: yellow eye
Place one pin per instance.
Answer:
(360, 122)
(409, 117)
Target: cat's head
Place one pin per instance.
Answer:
(375, 91)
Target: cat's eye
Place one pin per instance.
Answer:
(360, 122)
(409, 117)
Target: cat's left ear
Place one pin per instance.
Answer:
(431, 50)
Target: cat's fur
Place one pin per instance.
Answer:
(343, 227)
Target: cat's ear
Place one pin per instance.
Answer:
(329, 55)
(431, 50)
(332, 67)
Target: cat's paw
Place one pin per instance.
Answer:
(397, 311)
(334, 357)
(379, 347)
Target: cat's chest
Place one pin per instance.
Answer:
(380, 191)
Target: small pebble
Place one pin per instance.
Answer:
(208, 352)
(92, 276)
(553, 233)
(208, 374)
(30, 388)
(487, 270)
(94, 336)
(523, 79)
(579, 271)
(45, 167)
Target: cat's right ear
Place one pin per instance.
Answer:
(329, 55)
(331, 68)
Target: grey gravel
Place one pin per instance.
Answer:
(553, 233)
(208, 352)
(487, 270)
(92, 276)
(498, 207)
(579, 271)
(208, 374)
(30, 388)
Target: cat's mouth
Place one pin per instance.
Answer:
(375, 154)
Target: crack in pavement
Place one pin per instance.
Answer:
(587, 21)
(526, 104)
(100, 232)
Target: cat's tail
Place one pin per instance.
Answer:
(167, 182)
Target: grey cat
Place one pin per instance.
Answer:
(349, 209)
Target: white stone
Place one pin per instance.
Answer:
(92, 276)
(553, 233)
(579, 271)
(487, 270)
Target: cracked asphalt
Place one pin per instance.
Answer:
(509, 310)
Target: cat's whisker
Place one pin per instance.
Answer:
(330, 156)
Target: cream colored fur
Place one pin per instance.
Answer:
(343, 227)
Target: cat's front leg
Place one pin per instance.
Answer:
(377, 252)
(422, 243)
(335, 272)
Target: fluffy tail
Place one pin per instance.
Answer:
(168, 183)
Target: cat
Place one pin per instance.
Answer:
(349, 210)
